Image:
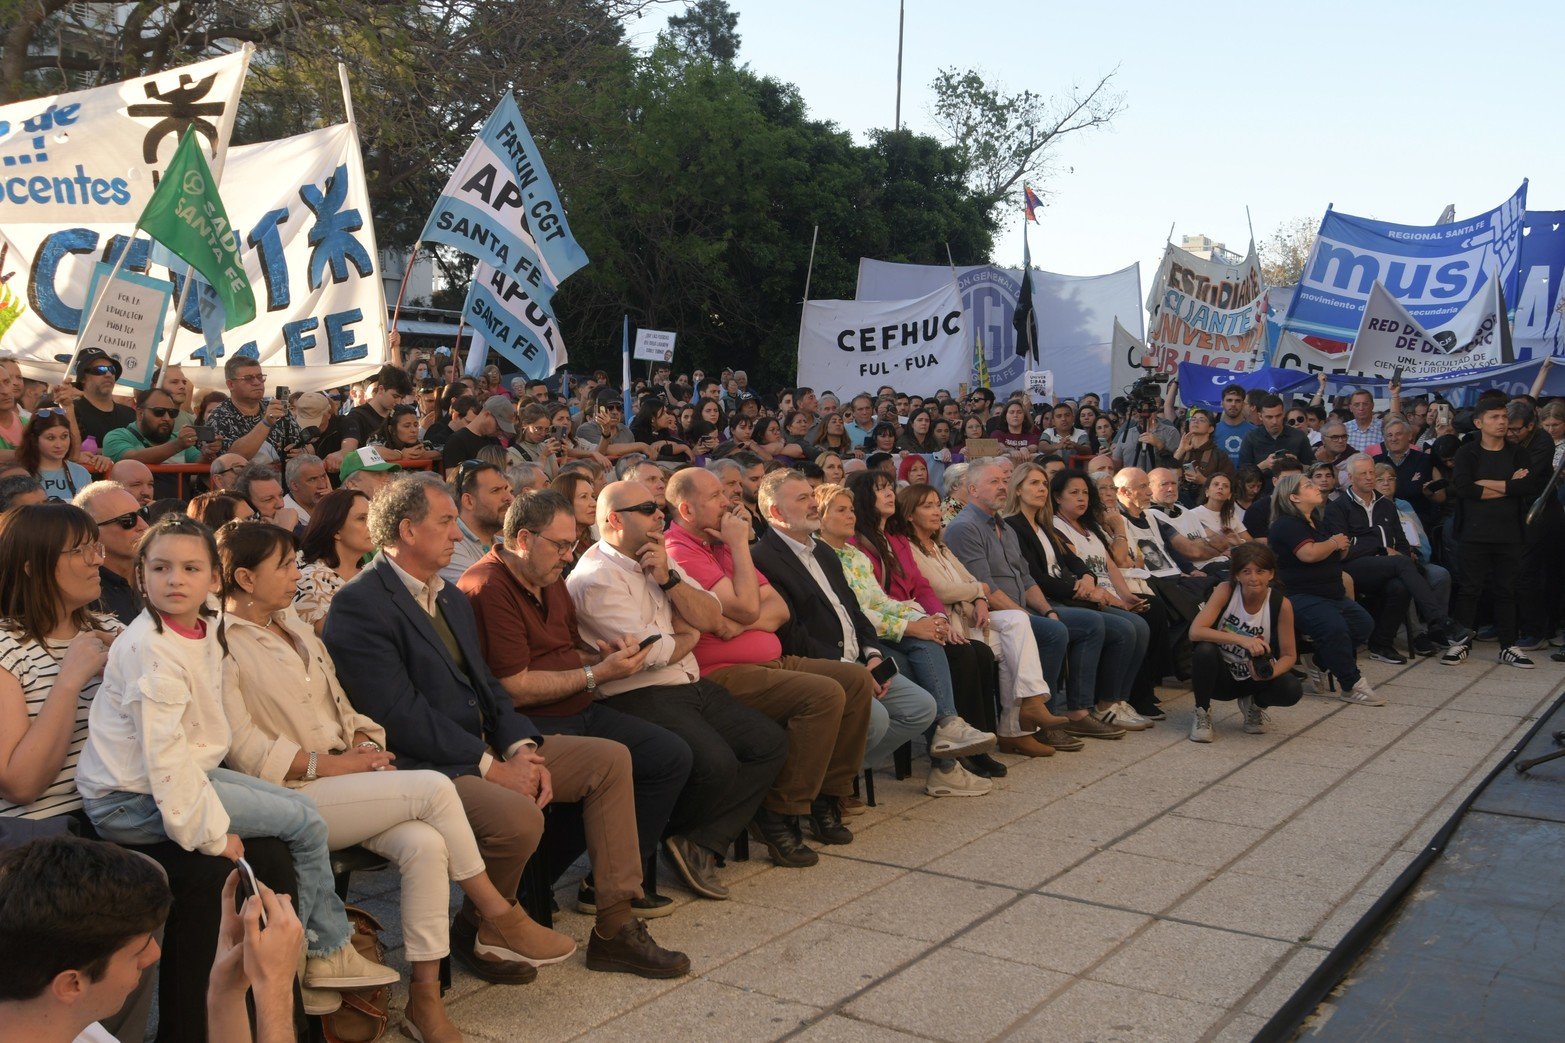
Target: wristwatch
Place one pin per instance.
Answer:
(674, 579)
(592, 682)
(309, 768)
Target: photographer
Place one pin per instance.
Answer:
(1146, 441)
(1243, 645)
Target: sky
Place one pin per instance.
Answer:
(1385, 108)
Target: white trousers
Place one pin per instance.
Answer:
(1021, 674)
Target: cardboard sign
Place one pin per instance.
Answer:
(129, 326)
(654, 345)
(978, 448)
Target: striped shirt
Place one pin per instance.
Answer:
(35, 666)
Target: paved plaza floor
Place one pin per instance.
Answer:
(1144, 889)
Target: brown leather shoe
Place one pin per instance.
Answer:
(1035, 714)
(1062, 740)
(1025, 746)
(851, 805)
(632, 951)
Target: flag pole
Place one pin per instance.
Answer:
(179, 317)
(103, 295)
(456, 348)
(809, 273)
(625, 366)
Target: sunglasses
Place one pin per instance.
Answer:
(163, 412)
(102, 369)
(48, 411)
(464, 470)
(649, 508)
(1295, 420)
(126, 521)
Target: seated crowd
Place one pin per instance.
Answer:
(415, 615)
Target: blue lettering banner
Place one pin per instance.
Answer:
(1431, 270)
(1535, 323)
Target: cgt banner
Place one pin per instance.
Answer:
(1075, 315)
(1207, 312)
(1431, 270)
(918, 346)
(301, 214)
(1390, 339)
(94, 156)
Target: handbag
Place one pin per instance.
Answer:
(364, 1013)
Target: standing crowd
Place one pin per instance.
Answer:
(461, 623)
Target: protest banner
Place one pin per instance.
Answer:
(1201, 385)
(1390, 339)
(918, 346)
(300, 210)
(501, 207)
(129, 326)
(654, 346)
(94, 157)
(1431, 270)
(1040, 384)
(1535, 322)
(1208, 312)
(1075, 315)
(503, 316)
(1130, 355)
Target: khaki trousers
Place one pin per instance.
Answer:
(594, 772)
(824, 706)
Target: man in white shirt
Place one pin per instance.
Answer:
(58, 888)
(307, 483)
(623, 586)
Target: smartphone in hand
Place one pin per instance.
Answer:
(248, 885)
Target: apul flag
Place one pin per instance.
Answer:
(186, 216)
(501, 207)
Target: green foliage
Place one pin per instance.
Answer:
(708, 28)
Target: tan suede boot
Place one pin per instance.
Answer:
(425, 1017)
(517, 936)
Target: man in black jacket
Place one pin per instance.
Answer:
(1541, 540)
(1381, 562)
(1490, 480)
(1264, 446)
(824, 618)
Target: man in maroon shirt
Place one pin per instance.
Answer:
(824, 705)
(527, 631)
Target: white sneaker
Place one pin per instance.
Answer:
(1201, 725)
(1317, 678)
(1361, 694)
(1255, 721)
(954, 737)
(1119, 715)
(955, 781)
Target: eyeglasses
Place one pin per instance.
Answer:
(649, 508)
(91, 553)
(126, 521)
(163, 412)
(1295, 421)
(565, 547)
(251, 378)
(1343, 437)
(48, 411)
(102, 369)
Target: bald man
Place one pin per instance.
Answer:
(226, 470)
(136, 477)
(624, 587)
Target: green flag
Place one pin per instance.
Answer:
(186, 216)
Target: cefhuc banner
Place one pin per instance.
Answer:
(1432, 271)
(501, 207)
(94, 156)
(1075, 316)
(1390, 339)
(301, 214)
(1207, 312)
(918, 346)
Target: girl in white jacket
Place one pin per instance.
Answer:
(157, 734)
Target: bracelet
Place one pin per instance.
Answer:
(309, 768)
(371, 744)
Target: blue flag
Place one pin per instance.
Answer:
(501, 207)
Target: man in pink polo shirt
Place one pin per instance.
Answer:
(824, 705)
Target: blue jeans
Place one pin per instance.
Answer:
(901, 714)
(1088, 640)
(1126, 637)
(1053, 639)
(255, 809)
(1336, 626)
(926, 664)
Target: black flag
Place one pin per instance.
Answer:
(1026, 320)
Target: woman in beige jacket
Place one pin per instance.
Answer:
(293, 726)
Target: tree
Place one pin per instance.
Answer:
(1287, 250)
(1002, 138)
(709, 29)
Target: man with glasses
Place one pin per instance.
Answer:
(120, 525)
(96, 411)
(1334, 449)
(483, 495)
(151, 439)
(248, 420)
(625, 587)
(606, 432)
(225, 472)
(528, 630)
